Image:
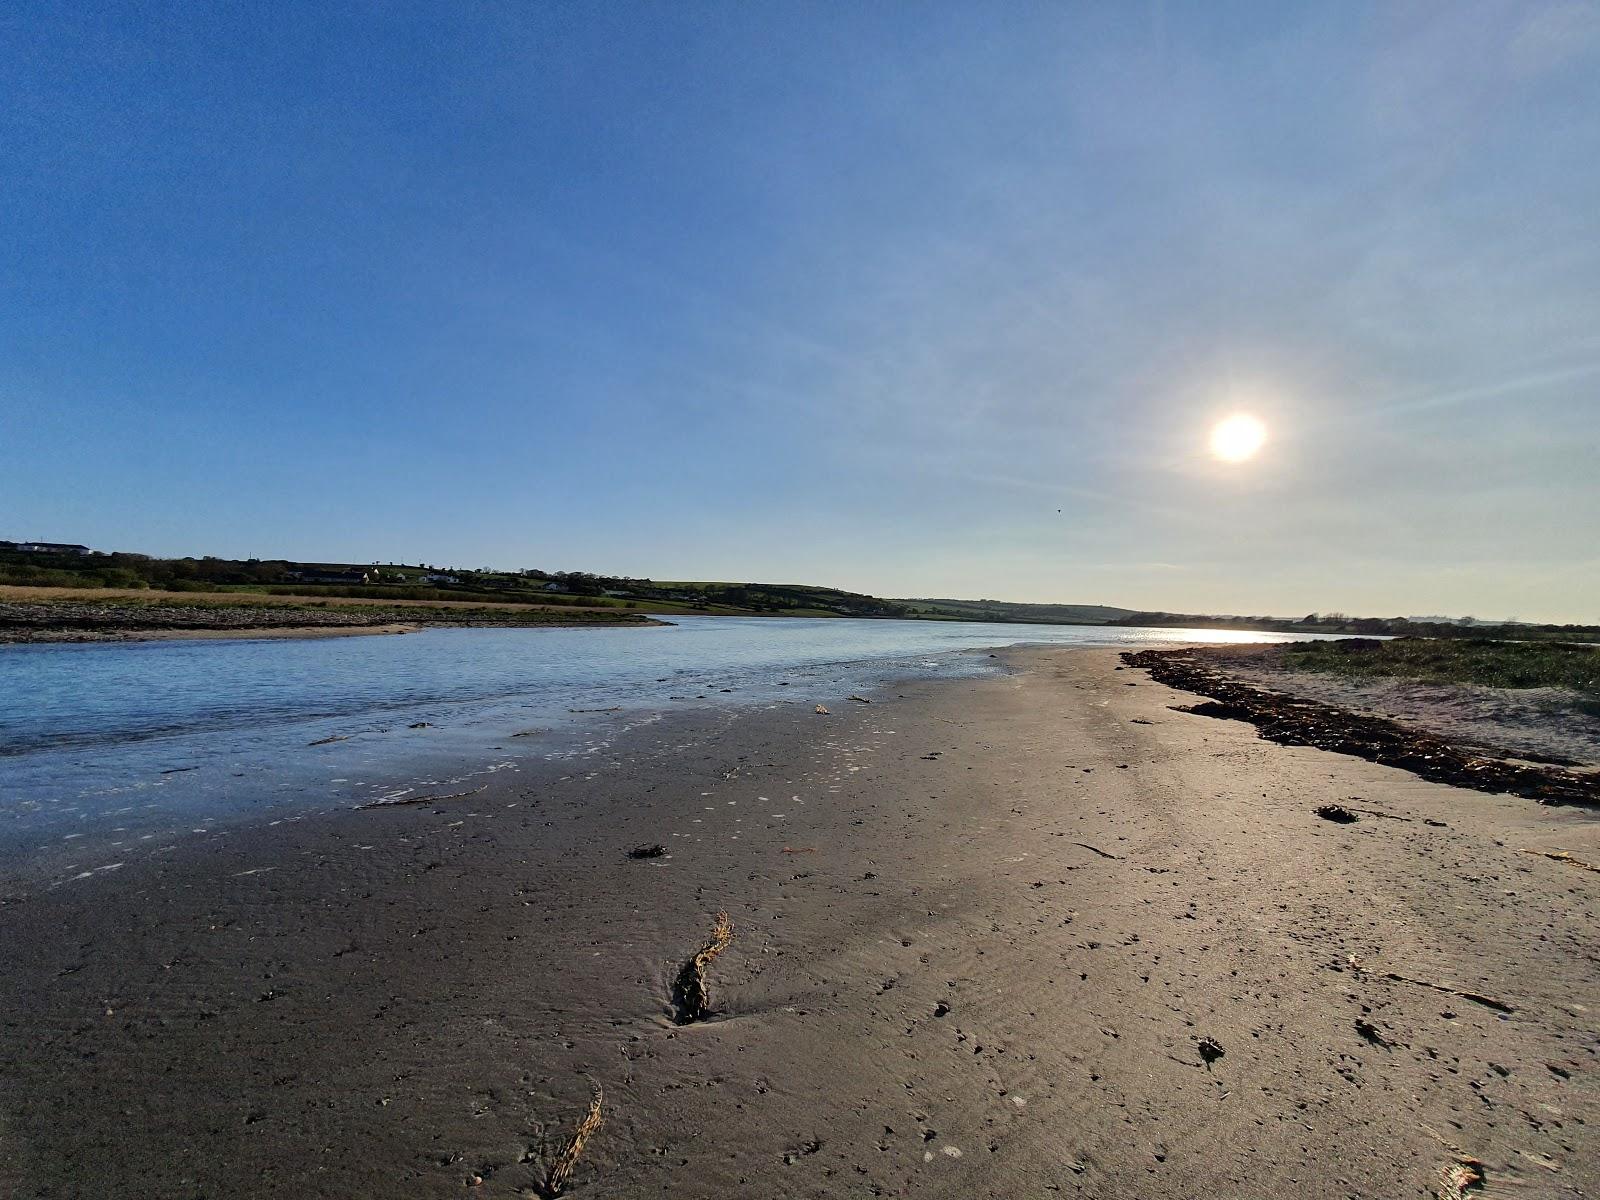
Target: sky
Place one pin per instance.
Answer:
(913, 299)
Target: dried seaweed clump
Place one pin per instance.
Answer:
(1461, 1177)
(563, 1159)
(691, 996)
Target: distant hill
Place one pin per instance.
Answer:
(51, 565)
(1006, 610)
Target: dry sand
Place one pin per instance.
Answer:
(987, 936)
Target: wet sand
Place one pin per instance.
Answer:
(1035, 935)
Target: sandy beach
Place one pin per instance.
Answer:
(1032, 935)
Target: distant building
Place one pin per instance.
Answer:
(555, 587)
(441, 579)
(45, 548)
(310, 575)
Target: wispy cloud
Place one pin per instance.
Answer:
(1499, 389)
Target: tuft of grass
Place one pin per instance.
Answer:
(691, 993)
(564, 1160)
(1479, 661)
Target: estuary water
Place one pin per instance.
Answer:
(116, 744)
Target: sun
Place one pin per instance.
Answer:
(1238, 438)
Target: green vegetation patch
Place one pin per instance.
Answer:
(1479, 661)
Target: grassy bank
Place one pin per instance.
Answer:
(1458, 660)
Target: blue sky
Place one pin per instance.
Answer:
(914, 299)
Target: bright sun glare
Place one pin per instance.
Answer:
(1237, 438)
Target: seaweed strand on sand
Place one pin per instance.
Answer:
(563, 1161)
(691, 996)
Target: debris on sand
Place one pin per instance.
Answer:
(1475, 997)
(561, 1161)
(1565, 856)
(1447, 989)
(400, 801)
(691, 995)
(860, 699)
(1097, 850)
(822, 710)
(1540, 1160)
(1461, 1177)
(1372, 1033)
(1210, 1050)
(1374, 812)
(1213, 708)
(1291, 721)
(1336, 813)
(805, 1148)
(655, 850)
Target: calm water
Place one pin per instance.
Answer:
(117, 746)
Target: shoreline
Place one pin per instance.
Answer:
(67, 622)
(88, 636)
(259, 633)
(990, 937)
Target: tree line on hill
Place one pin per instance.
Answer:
(424, 582)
